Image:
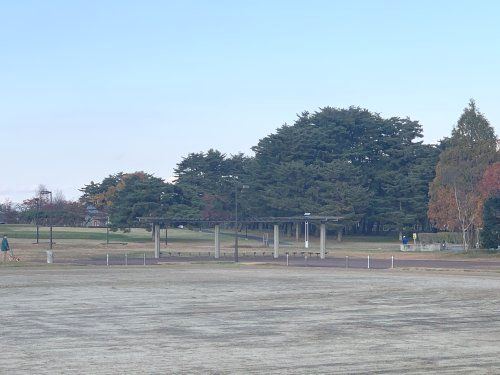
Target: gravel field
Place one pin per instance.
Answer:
(221, 318)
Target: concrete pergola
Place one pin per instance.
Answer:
(276, 221)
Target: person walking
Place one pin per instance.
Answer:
(405, 243)
(5, 247)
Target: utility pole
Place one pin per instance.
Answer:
(37, 200)
(236, 223)
(50, 217)
(236, 219)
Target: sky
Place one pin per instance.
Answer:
(91, 88)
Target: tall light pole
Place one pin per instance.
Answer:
(236, 219)
(107, 230)
(163, 212)
(37, 200)
(306, 231)
(50, 217)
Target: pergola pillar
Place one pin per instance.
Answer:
(322, 241)
(217, 241)
(157, 240)
(276, 240)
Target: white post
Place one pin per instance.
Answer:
(392, 261)
(322, 241)
(144, 258)
(306, 235)
(276, 240)
(287, 259)
(368, 261)
(107, 260)
(346, 261)
(157, 241)
(217, 241)
(126, 259)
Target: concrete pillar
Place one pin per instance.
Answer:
(217, 241)
(297, 232)
(276, 240)
(322, 240)
(157, 240)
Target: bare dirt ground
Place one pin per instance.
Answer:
(244, 319)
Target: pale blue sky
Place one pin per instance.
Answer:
(90, 88)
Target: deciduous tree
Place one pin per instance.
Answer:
(455, 198)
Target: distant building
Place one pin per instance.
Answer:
(95, 217)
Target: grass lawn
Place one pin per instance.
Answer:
(22, 231)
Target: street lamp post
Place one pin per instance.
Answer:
(306, 231)
(236, 220)
(107, 230)
(50, 217)
(163, 212)
(37, 200)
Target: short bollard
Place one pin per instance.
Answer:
(144, 259)
(346, 261)
(126, 260)
(287, 259)
(368, 262)
(392, 261)
(305, 258)
(107, 260)
(50, 257)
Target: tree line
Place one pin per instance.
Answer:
(39, 209)
(374, 172)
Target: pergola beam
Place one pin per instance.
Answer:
(157, 221)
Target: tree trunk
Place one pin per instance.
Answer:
(464, 239)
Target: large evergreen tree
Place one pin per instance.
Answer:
(490, 235)
(207, 179)
(490, 191)
(387, 167)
